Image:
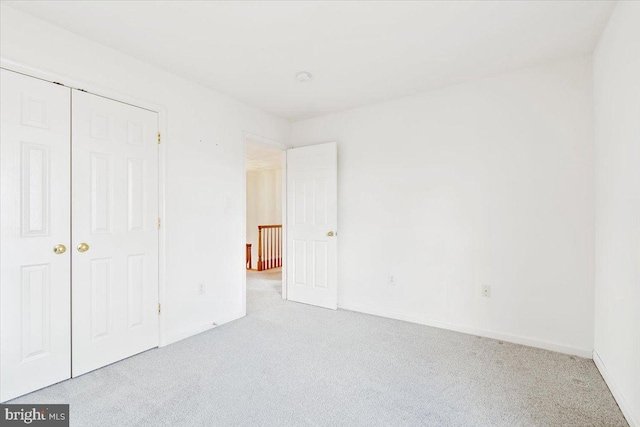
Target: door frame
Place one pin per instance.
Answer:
(248, 136)
(74, 83)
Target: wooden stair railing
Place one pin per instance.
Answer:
(269, 246)
(248, 256)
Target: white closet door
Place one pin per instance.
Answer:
(114, 231)
(34, 217)
(312, 216)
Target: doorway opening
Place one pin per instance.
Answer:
(265, 213)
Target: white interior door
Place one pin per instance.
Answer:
(34, 215)
(114, 231)
(312, 216)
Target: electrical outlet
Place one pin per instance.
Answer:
(486, 291)
(392, 280)
(201, 288)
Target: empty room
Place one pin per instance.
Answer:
(320, 213)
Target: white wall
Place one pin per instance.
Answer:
(617, 278)
(264, 204)
(488, 182)
(204, 163)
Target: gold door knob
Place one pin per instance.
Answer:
(59, 249)
(83, 247)
(330, 233)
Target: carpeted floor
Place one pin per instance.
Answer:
(289, 364)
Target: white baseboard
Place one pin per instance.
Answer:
(189, 332)
(516, 339)
(632, 419)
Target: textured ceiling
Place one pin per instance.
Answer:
(261, 157)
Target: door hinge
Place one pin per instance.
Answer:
(158, 137)
(159, 308)
(158, 223)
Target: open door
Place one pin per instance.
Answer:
(312, 216)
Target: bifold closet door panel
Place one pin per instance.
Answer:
(114, 229)
(35, 234)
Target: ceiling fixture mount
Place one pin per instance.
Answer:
(303, 77)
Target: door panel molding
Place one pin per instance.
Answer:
(115, 275)
(37, 221)
(312, 217)
(34, 219)
(71, 82)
